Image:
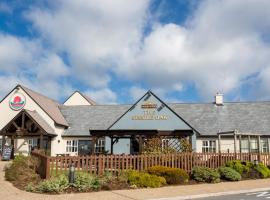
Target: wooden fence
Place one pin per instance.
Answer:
(99, 164)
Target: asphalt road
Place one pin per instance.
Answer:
(245, 196)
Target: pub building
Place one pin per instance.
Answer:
(80, 126)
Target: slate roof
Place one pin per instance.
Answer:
(41, 122)
(206, 118)
(209, 119)
(94, 117)
(50, 106)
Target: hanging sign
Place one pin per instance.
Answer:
(17, 101)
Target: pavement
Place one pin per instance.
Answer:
(243, 196)
(231, 191)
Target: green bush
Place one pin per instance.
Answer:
(240, 167)
(85, 181)
(262, 170)
(22, 171)
(229, 174)
(249, 169)
(54, 185)
(172, 175)
(142, 179)
(205, 174)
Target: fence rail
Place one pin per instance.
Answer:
(99, 164)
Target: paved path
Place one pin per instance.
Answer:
(8, 192)
(263, 195)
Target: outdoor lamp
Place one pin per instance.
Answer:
(256, 162)
(71, 176)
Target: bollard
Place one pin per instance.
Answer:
(71, 176)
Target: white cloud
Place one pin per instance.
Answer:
(218, 48)
(102, 96)
(136, 92)
(94, 34)
(24, 61)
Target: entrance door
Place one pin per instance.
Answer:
(84, 147)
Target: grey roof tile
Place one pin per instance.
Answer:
(206, 118)
(95, 117)
(50, 106)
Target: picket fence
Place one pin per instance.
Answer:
(100, 164)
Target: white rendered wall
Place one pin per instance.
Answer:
(227, 144)
(7, 114)
(76, 99)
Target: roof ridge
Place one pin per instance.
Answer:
(49, 106)
(55, 101)
(86, 97)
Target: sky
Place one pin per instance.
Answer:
(114, 51)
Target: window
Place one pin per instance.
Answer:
(100, 146)
(209, 146)
(264, 145)
(253, 145)
(244, 146)
(72, 146)
(32, 143)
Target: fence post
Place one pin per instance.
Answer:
(47, 169)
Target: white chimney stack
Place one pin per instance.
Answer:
(219, 99)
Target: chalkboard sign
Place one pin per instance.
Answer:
(6, 152)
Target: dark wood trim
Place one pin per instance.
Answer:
(16, 126)
(23, 119)
(146, 133)
(23, 113)
(151, 93)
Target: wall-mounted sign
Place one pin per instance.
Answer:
(149, 105)
(17, 101)
(149, 115)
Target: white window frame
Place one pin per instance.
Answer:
(100, 145)
(208, 146)
(264, 145)
(72, 146)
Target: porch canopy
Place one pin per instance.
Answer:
(27, 124)
(239, 135)
(148, 117)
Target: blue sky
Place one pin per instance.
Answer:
(114, 51)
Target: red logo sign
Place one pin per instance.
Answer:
(17, 101)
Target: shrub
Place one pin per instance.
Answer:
(229, 174)
(262, 170)
(249, 170)
(85, 181)
(240, 167)
(205, 174)
(142, 179)
(22, 171)
(110, 182)
(172, 175)
(54, 185)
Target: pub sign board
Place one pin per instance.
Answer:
(150, 113)
(6, 155)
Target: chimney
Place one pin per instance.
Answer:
(219, 99)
